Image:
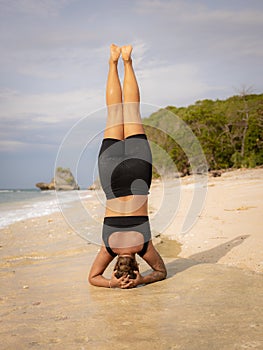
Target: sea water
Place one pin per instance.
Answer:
(17, 205)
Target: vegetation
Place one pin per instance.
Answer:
(64, 179)
(228, 131)
(63, 170)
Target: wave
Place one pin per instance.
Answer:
(36, 205)
(27, 212)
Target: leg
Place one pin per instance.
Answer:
(131, 106)
(114, 125)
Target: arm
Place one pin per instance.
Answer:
(99, 265)
(153, 259)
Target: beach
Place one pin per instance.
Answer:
(211, 299)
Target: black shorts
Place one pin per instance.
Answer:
(125, 166)
(126, 223)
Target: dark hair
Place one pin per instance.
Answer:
(126, 265)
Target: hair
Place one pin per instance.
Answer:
(126, 265)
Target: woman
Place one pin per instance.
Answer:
(125, 169)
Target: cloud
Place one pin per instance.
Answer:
(141, 50)
(209, 29)
(168, 84)
(53, 63)
(50, 107)
(34, 7)
(11, 146)
(42, 120)
(199, 11)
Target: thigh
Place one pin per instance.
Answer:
(137, 146)
(110, 156)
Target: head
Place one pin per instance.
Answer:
(126, 265)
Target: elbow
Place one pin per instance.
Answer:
(163, 274)
(160, 275)
(91, 280)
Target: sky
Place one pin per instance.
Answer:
(54, 62)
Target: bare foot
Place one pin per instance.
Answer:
(126, 52)
(115, 52)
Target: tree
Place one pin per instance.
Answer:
(229, 131)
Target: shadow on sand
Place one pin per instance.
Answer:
(210, 256)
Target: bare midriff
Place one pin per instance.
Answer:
(133, 205)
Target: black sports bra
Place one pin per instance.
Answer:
(126, 223)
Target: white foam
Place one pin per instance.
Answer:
(44, 204)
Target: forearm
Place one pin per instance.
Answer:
(100, 281)
(154, 276)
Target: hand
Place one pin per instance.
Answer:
(132, 283)
(138, 280)
(123, 282)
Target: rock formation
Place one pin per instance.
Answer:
(95, 186)
(63, 181)
(45, 187)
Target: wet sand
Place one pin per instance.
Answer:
(212, 298)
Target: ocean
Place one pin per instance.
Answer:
(17, 205)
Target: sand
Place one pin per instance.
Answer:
(212, 298)
(229, 228)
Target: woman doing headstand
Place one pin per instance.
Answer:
(125, 169)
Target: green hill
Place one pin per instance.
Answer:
(229, 132)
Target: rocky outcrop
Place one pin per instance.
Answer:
(216, 173)
(95, 186)
(63, 181)
(45, 187)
